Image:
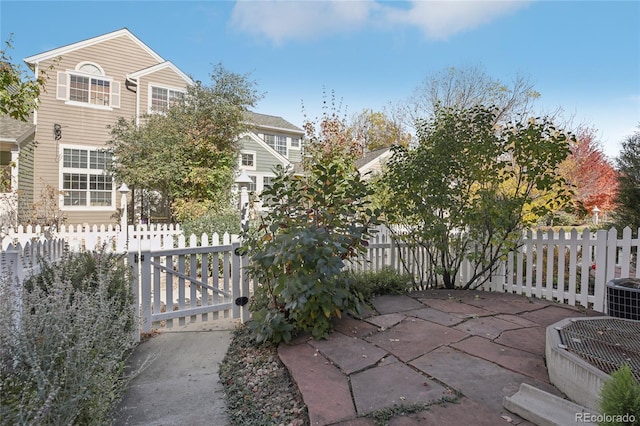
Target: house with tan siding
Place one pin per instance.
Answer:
(62, 171)
(57, 162)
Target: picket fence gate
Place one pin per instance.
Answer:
(204, 279)
(172, 278)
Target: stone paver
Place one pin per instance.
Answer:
(401, 384)
(551, 314)
(436, 316)
(386, 321)
(324, 388)
(512, 359)
(354, 327)
(532, 340)
(488, 327)
(456, 307)
(502, 303)
(394, 304)
(350, 354)
(414, 337)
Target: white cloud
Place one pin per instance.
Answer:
(279, 20)
(442, 19)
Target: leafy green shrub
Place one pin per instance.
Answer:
(620, 399)
(299, 248)
(218, 221)
(62, 359)
(385, 281)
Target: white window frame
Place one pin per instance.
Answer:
(169, 89)
(87, 172)
(277, 143)
(241, 163)
(63, 90)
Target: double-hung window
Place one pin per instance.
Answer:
(162, 98)
(277, 142)
(85, 178)
(87, 85)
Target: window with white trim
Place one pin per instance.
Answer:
(247, 160)
(295, 143)
(162, 98)
(85, 178)
(88, 85)
(277, 142)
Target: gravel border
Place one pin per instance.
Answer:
(258, 387)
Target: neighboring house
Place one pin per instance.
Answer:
(58, 163)
(273, 141)
(90, 85)
(372, 162)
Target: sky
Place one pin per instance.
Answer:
(581, 56)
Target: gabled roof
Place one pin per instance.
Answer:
(159, 67)
(15, 131)
(271, 122)
(54, 53)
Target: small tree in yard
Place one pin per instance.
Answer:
(190, 154)
(317, 222)
(471, 186)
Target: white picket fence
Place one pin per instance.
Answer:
(18, 262)
(568, 267)
(91, 237)
(576, 272)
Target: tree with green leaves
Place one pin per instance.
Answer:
(471, 186)
(190, 154)
(316, 223)
(627, 198)
(18, 93)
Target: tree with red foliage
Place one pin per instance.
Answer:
(591, 173)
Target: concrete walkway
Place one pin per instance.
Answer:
(179, 383)
(425, 348)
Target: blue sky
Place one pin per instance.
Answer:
(582, 56)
